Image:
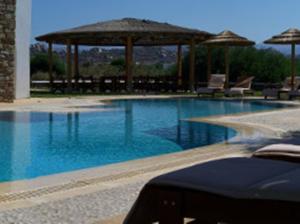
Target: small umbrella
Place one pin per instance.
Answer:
(226, 39)
(292, 37)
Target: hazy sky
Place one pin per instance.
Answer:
(255, 19)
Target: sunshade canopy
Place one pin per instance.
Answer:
(291, 36)
(228, 38)
(115, 32)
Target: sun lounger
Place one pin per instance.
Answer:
(263, 189)
(286, 88)
(59, 85)
(242, 87)
(294, 94)
(215, 85)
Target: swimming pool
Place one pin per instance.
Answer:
(38, 144)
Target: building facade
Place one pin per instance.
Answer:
(15, 31)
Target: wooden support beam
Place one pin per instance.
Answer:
(209, 50)
(179, 64)
(293, 64)
(192, 66)
(76, 65)
(129, 63)
(227, 67)
(69, 66)
(50, 63)
(76, 61)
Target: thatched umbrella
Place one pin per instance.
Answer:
(226, 39)
(291, 36)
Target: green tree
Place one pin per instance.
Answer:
(40, 63)
(267, 65)
(119, 63)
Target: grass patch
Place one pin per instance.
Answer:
(46, 94)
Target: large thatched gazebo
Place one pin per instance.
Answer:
(126, 32)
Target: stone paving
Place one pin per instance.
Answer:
(83, 209)
(102, 202)
(282, 121)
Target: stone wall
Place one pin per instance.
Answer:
(7, 50)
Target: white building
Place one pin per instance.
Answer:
(22, 56)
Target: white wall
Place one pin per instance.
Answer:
(22, 57)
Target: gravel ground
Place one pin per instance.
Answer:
(83, 209)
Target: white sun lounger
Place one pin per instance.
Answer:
(215, 85)
(242, 87)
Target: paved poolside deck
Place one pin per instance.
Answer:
(104, 195)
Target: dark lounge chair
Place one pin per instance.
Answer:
(263, 189)
(107, 83)
(121, 84)
(286, 88)
(59, 85)
(85, 84)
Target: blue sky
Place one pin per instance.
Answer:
(255, 19)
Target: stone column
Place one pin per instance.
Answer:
(7, 50)
(15, 21)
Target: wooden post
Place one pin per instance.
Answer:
(179, 64)
(226, 67)
(69, 66)
(293, 64)
(208, 63)
(76, 65)
(76, 61)
(192, 66)
(129, 63)
(50, 63)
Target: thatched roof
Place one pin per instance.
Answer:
(115, 32)
(291, 36)
(228, 38)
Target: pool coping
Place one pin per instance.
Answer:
(22, 191)
(27, 190)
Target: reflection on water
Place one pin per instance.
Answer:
(36, 144)
(15, 144)
(191, 135)
(128, 124)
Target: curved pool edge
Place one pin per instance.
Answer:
(29, 192)
(245, 128)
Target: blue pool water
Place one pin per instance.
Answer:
(38, 144)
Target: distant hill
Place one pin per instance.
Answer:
(284, 49)
(144, 55)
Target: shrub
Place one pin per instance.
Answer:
(40, 63)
